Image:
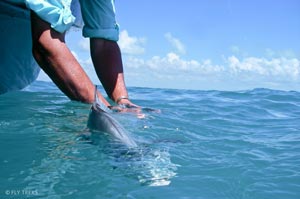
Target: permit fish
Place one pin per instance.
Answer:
(101, 119)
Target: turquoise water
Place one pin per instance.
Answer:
(203, 144)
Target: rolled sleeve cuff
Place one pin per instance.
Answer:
(57, 14)
(109, 34)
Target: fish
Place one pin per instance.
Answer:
(153, 167)
(101, 119)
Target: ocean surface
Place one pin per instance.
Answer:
(201, 144)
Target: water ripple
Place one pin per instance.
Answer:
(203, 144)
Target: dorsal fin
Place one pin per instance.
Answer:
(98, 104)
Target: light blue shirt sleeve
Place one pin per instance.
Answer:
(55, 12)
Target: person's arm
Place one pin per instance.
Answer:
(54, 57)
(107, 61)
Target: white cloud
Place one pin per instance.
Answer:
(233, 73)
(173, 71)
(131, 45)
(84, 44)
(128, 45)
(172, 63)
(275, 67)
(245, 69)
(176, 43)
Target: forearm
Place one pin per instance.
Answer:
(107, 60)
(52, 54)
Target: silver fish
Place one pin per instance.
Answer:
(101, 119)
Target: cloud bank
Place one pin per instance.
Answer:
(237, 71)
(131, 45)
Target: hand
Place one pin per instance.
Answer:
(125, 106)
(126, 103)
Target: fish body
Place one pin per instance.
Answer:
(101, 119)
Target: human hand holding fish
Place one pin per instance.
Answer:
(132, 108)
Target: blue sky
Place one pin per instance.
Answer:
(197, 44)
